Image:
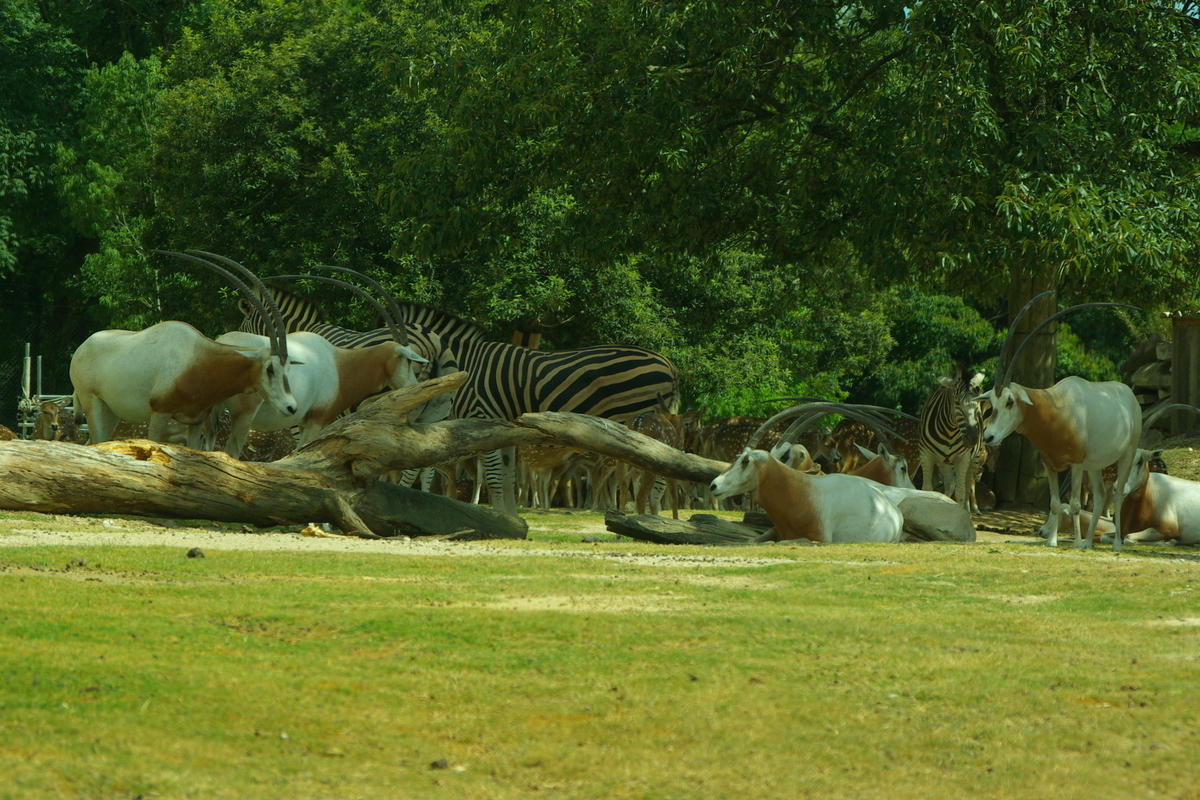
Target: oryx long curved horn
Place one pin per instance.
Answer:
(1012, 326)
(802, 423)
(805, 422)
(864, 406)
(866, 417)
(797, 400)
(363, 293)
(895, 412)
(1158, 412)
(397, 313)
(869, 416)
(279, 339)
(1053, 317)
(789, 412)
(268, 298)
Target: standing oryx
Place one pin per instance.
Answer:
(302, 314)
(329, 381)
(171, 371)
(505, 380)
(1076, 423)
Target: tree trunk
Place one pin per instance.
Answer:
(1020, 476)
(335, 479)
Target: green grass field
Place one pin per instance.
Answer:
(553, 668)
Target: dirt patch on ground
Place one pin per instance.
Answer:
(48, 530)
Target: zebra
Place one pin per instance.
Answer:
(950, 434)
(617, 382)
(302, 314)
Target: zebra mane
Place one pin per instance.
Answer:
(444, 323)
(298, 301)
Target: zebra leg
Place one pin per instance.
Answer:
(961, 490)
(927, 467)
(501, 477)
(477, 492)
(492, 467)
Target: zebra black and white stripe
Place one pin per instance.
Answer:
(612, 381)
(302, 314)
(950, 440)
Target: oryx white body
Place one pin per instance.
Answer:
(329, 380)
(1159, 507)
(1077, 424)
(824, 508)
(169, 371)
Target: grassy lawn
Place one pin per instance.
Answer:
(537, 669)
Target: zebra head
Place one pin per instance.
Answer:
(966, 393)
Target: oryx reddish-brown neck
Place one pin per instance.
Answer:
(875, 470)
(362, 372)
(1049, 424)
(1139, 507)
(789, 500)
(218, 375)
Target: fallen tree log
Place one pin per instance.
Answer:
(699, 529)
(335, 479)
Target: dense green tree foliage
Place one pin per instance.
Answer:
(786, 199)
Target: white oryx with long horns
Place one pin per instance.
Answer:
(330, 380)
(824, 508)
(171, 371)
(1076, 424)
(1159, 507)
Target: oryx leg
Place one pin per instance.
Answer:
(1076, 505)
(1049, 531)
(101, 420)
(242, 409)
(156, 428)
(1097, 481)
(1148, 536)
(1124, 467)
(771, 535)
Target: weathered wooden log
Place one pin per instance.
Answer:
(334, 479)
(700, 529)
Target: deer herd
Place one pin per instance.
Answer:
(244, 393)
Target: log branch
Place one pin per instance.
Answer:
(334, 479)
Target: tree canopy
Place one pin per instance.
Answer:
(786, 199)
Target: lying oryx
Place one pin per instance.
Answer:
(821, 508)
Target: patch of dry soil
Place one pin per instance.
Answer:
(44, 530)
